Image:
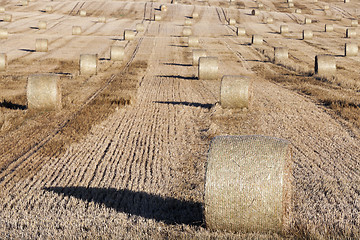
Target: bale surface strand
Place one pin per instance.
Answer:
(88, 64)
(208, 68)
(235, 91)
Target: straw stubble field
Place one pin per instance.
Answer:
(125, 158)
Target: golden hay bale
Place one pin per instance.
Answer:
(240, 31)
(281, 54)
(235, 91)
(260, 5)
(284, 29)
(290, 5)
(7, 18)
(3, 61)
(208, 68)
(255, 12)
(354, 22)
(88, 64)
(257, 39)
(163, 8)
(195, 15)
(307, 34)
(41, 45)
(193, 41)
(188, 22)
(346, 1)
(82, 13)
(325, 64)
(314, 1)
(248, 184)
(102, 19)
(129, 34)
(24, 3)
(117, 53)
(157, 17)
(140, 27)
(298, 10)
(232, 21)
(187, 31)
(351, 49)
(329, 28)
(198, 53)
(2, 9)
(326, 7)
(289, 1)
(49, 9)
(3, 33)
(44, 92)
(269, 20)
(307, 21)
(42, 25)
(76, 30)
(350, 32)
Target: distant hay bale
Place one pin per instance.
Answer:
(329, 28)
(240, 31)
(76, 30)
(4, 33)
(248, 184)
(290, 5)
(307, 34)
(140, 27)
(24, 3)
(7, 18)
(260, 5)
(289, 1)
(193, 41)
(255, 12)
(49, 9)
(43, 92)
(82, 13)
(3, 61)
(2, 9)
(198, 53)
(284, 29)
(298, 10)
(88, 64)
(350, 32)
(235, 91)
(232, 21)
(208, 68)
(281, 54)
(325, 65)
(307, 21)
(346, 1)
(163, 8)
(187, 31)
(351, 49)
(157, 17)
(42, 25)
(257, 39)
(269, 20)
(117, 53)
(102, 19)
(326, 7)
(195, 15)
(129, 34)
(314, 1)
(354, 22)
(41, 45)
(188, 22)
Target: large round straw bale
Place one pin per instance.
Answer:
(329, 28)
(198, 53)
(187, 31)
(7, 18)
(163, 8)
(326, 7)
(140, 27)
(76, 30)
(351, 49)
(41, 45)
(82, 13)
(49, 9)
(88, 64)
(208, 68)
(307, 34)
(257, 39)
(307, 21)
(3, 61)
(232, 21)
(42, 25)
(281, 54)
(193, 41)
(298, 10)
(346, 1)
(284, 29)
(255, 12)
(2, 9)
(129, 34)
(354, 22)
(290, 5)
(117, 53)
(188, 22)
(235, 91)
(248, 184)
(3, 33)
(350, 32)
(195, 15)
(240, 31)
(102, 19)
(269, 20)
(43, 92)
(325, 64)
(157, 17)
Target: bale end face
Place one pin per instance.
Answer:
(351, 49)
(235, 91)
(43, 92)
(3, 61)
(88, 64)
(248, 184)
(117, 53)
(307, 21)
(41, 45)
(290, 5)
(163, 8)
(197, 53)
(325, 65)
(208, 68)
(102, 19)
(255, 12)
(2, 9)
(49, 9)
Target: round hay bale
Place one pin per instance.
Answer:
(269, 20)
(41, 45)
(248, 184)
(255, 12)
(307, 34)
(76, 30)
(2, 9)
(325, 64)
(298, 10)
(329, 28)
(232, 21)
(346, 1)
(260, 5)
(235, 91)
(284, 29)
(351, 49)
(82, 13)
(315, 1)
(7, 18)
(307, 21)
(281, 54)
(290, 5)
(350, 32)
(43, 92)
(3, 61)
(117, 53)
(157, 17)
(3, 33)
(188, 22)
(195, 15)
(49, 9)
(102, 19)
(198, 53)
(354, 22)
(187, 31)
(88, 64)
(140, 27)
(289, 1)
(240, 31)
(129, 34)
(208, 68)
(163, 8)
(42, 25)
(24, 3)
(257, 39)
(193, 41)
(326, 7)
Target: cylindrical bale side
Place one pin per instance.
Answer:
(193, 41)
(42, 25)
(157, 17)
(248, 184)
(7, 18)
(88, 64)
(43, 92)
(329, 28)
(232, 21)
(2, 9)
(3, 33)
(307, 34)
(187, 31)
(351, 49)
(255, 12)
(257, 39)
(290, 5)
(307, 21)
(195, 15)
(198, 53)
(350, 32)
(240, 31)
(281, 54)
(354, 22)
(129, 35)
(82, 13)
(163, 8)
(102, 19)
(49, 9)
(41, 45)
(284, 29)
(298, 10)
(76, 30)
(235, 91)
(208, 68)
(117, 53)
(188, 22)
(140, 27)
(3, 61)
(325, 64)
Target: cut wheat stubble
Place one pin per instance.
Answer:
(235, 91)
(208, 68)
(88, 64)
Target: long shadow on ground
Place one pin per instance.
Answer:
(190, 104)
(10, 105)
(168, 210)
